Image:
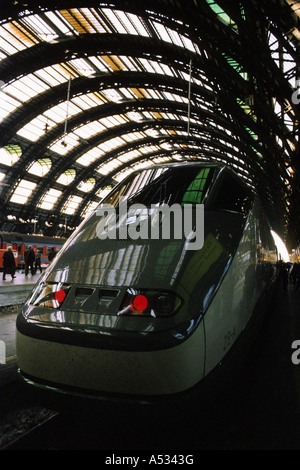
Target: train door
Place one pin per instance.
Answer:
(20, 248)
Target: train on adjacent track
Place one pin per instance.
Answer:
(151, 319)
(20, 241)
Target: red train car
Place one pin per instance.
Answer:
(20, 241)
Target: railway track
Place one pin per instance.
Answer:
(19, 416)
(27, 426)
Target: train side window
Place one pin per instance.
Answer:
(132, 185)
(231, 195)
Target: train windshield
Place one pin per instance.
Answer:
(163, 185)
(193, 184)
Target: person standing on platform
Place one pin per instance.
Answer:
(37, 263)
(29, 258)
(9, 264)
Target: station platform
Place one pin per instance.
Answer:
(15, 291)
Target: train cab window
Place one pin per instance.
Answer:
(197, 188)
(175, 185)
(231, 195)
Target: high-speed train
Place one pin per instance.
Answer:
(146, 304)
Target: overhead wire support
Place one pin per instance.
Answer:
(67, 112)
(189, 100)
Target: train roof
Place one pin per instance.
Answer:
(188, 163)
(222, 167)
(30, 238)
(217, 165)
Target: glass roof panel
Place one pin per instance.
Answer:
(87, 185)
(67, 177)
(20, 89)
(10, 154)
(90, 129)
(162, 31)
(7, 105)
(23, 191)
(222, 15)
(53, 75)
(112, 95)
(99, 64)
(115, 21)
(95, 20)
(49, 199)
(90, 156)
(87, 101)
(82, 67)
(89, 208)
(122, 174)
(65, 144)
(19, 33)
(40, 167)
(39, 27)
(71, 205)
(82, 23)
(108, 167)
(132, 136)
(57, 20)
(59, 112)
(176, 38)
(102, 192)
(9, 43)
(128, 22)
(35, 129)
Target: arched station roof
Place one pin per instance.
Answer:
(91, 90)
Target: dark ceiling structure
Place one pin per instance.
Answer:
(92, 90)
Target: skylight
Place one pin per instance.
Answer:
(67, 177)
(49, 199)
(71, 205)
(40, 167)
(23, 192)
(10, 154)
(87, 185)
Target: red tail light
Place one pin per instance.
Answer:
(139, 303)
(150, 303)
(60, 295)
(50, 295)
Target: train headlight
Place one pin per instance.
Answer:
(50, 294)
(150, 303)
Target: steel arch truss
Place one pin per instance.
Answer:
(92, 90)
